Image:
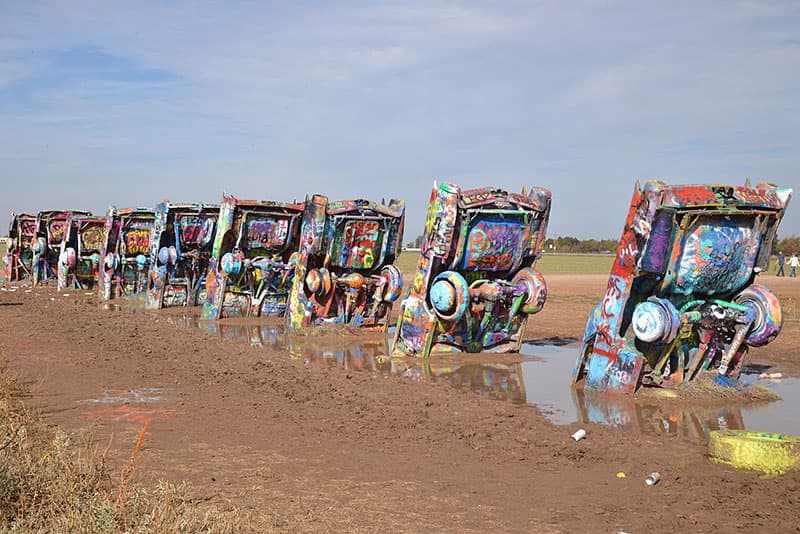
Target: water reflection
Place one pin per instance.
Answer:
(539, 378)
(628, 413)
(498, 381)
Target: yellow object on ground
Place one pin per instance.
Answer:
(772, 454)
(620, 475)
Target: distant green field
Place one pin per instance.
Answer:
(575, 263)
(563, 263)
(548, 264)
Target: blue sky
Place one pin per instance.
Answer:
(129, 103)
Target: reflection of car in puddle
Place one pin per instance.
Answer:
(252, 263)
(498, 381)
(628, 413)
(536, 382)
(179, 254)
(681, 296)
(126, 252)
(475, 283)
(256, 335)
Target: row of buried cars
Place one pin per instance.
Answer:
(681, 297)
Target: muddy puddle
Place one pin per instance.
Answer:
(538, 376)
(127, 405)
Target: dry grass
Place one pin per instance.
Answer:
(48, 483)
(703, 389)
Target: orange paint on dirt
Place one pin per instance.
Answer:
(129, 414)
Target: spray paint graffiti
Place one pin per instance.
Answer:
(475, 284)
(266, 233)
(345, 271)
(681, 297)
(253, 258)
(493, 245)
(137, 240)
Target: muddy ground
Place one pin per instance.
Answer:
(316, 448)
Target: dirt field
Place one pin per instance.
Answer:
(326, 449)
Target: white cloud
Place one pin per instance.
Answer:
(382, 98)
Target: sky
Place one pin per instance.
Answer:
(130, 103)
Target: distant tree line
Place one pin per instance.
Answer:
(580, 246)
(787, 245)
(568, 244)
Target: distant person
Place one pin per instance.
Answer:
(781, 261)
(794, 263)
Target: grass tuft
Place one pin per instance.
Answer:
(50, 483)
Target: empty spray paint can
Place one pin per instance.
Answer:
(579, 435)
(653, 478)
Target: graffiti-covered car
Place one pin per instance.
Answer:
(681, 296)
(126, 252)
(51, 229)
(19, 256)
(183, 235)
(345, 272)
(79, 256)
(476, 282)
(252, 262)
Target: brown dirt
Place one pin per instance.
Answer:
(323, 449)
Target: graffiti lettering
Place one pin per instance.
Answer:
(56, 231)
(493, 245)
(137, 241)
(28, 228)
(93, 238)
(196, 230)
(359, 244)
(266, 233)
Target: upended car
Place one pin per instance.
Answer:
(252, 263)
(51, 228)
(345, 272)
(682, 296)
(19, 256)
(476, 282)
(183, 235)
(79, 256)
(126, 252)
